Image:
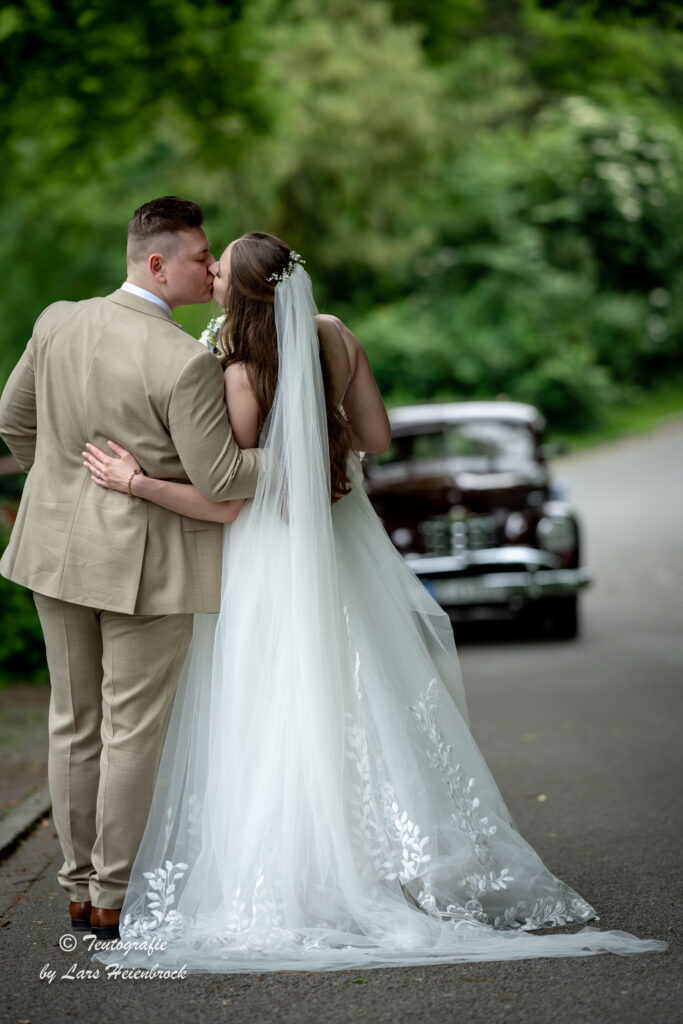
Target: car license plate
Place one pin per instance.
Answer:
(465, 591)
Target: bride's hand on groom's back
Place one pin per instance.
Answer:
(113, 472)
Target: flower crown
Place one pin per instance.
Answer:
(294, 258)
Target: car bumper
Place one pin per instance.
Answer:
(506, 576)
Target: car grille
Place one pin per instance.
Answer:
(450, 535)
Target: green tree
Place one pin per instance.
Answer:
(102, 106)
(355, 142)
(556, 278)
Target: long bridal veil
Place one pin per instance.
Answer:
(320, 802)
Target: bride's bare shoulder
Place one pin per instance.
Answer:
(331, 328)
(243, 408)
(327, 320)
(236, 377)
(339, 345)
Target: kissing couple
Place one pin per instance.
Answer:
(259, 742)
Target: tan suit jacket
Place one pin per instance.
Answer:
(118, 368)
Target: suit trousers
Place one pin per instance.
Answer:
(113, 679)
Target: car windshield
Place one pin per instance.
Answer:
(472, 441)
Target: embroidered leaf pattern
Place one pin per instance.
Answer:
(392, 849)
(392, 839)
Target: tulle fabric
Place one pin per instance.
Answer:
(321, 803)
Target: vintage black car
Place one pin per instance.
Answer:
(465, 494)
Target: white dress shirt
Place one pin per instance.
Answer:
(144, 294)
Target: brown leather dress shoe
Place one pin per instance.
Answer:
(104, 923)
(80, 916)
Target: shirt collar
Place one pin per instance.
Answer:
(144, 294)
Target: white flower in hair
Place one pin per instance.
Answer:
(294, 258)
(209, 335)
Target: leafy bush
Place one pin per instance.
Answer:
(524, 343)
(22, 650)
(488, 194)
(556, 276)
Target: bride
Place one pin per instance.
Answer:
(320, 802)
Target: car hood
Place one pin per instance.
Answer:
(451, 483)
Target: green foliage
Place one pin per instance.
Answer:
(354, 138)
(22, 650)
(499, 342)
(487, 191)
(102, 106)
(84, 81)
(490, 193)
(556, 276)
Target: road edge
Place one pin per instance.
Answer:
(22, 818)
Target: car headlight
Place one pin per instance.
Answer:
(515, 526)
(401, 537)
(556, 533)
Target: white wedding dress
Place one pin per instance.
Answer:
(321, 803)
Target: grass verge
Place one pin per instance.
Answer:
(645, 411)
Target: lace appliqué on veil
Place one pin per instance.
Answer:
(157, 911)
(392, 840)
(561, 908)
(389, 836)
(395, 848)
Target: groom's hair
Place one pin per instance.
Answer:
(154, 225)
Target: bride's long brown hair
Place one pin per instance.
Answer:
(249, 336)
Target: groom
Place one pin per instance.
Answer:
(116, 580)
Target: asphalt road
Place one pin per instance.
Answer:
(591, 727)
